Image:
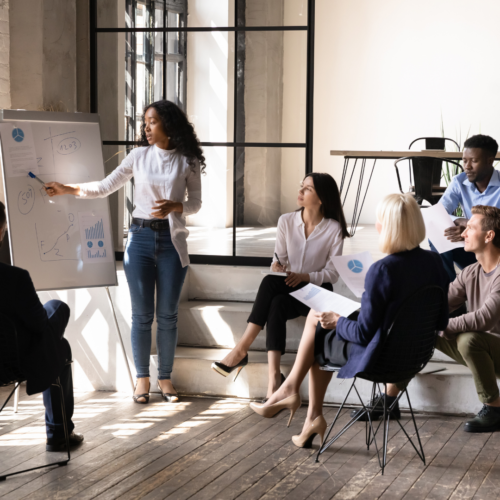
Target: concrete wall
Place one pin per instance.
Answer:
(43, 54)
(389, 72)
(4, 55)
(209, 102)
(263, 112)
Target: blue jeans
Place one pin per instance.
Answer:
(458, 256)
(151, 261)
(58, 313)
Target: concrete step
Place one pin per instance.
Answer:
(233, 283)
(450, 391)
(221, 324)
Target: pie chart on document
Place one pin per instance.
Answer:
(355, 266)
(18, 135)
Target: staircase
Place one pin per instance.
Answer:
(215, 304)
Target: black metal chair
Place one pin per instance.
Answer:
(407, 348)
(10, 373)
(435, 143)
(423, 174)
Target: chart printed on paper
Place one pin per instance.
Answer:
(95, 236)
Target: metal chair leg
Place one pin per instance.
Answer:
(324, 446)
(16, 399)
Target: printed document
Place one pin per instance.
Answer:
(96, 237)
(322, 300)
(18, 148)
(436, 220)
(353, 269)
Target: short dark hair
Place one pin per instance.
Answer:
(491, 220)
(3, 217)
(482, 142)
(329, 195)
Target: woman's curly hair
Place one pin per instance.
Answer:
(178, 129)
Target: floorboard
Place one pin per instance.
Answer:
(204, 449)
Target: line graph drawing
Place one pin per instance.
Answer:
(58, 245)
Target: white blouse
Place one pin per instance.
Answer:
(158, 175)
(312, 255)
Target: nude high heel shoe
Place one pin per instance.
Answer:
(306, 439)
(291, 403)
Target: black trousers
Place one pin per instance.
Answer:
(274, 306)
(58, 313)
(329, 349)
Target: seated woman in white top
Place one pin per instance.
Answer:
(306, 241)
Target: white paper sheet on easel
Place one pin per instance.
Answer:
(353, 269)
(437, 220)
(322, 300)
(18, 147)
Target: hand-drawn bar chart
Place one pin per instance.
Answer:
(96, 232)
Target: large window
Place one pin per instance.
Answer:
(243, 72)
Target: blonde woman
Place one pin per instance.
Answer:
(353, 343)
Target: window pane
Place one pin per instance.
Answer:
(276, 13)
(267, 183)
(130, 76)
(133, 13)
(210, 230)
(210, 13)
(210, 63)
(273, 86)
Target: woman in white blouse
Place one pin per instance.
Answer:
(156, 255)
(306, 241)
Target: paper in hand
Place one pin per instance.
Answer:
(322, 300)
(437, 220)
(353, 269)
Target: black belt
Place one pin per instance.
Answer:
(154, 224)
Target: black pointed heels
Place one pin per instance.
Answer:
(167, 396)
(224, 370)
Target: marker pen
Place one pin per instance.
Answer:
(33, 176)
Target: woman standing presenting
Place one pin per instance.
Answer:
(306, 241)
(156, 256)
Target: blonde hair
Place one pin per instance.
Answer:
(402, 223)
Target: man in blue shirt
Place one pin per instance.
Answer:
(479, 184)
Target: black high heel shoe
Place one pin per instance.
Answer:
(136, 397)
(224, 370)
(167, 396)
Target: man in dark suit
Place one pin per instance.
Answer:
(44, 353)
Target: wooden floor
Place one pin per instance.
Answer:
(220, 449)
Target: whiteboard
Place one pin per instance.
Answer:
(64, 242)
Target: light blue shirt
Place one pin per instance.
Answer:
(463, 192)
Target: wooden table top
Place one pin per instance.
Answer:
(393, 155)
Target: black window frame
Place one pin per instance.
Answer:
(237, 144)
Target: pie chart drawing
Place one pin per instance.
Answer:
(355, 266)
(18, 135)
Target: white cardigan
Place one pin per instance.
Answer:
(158, 175)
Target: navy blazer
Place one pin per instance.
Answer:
(389, 282)
(40, 350)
